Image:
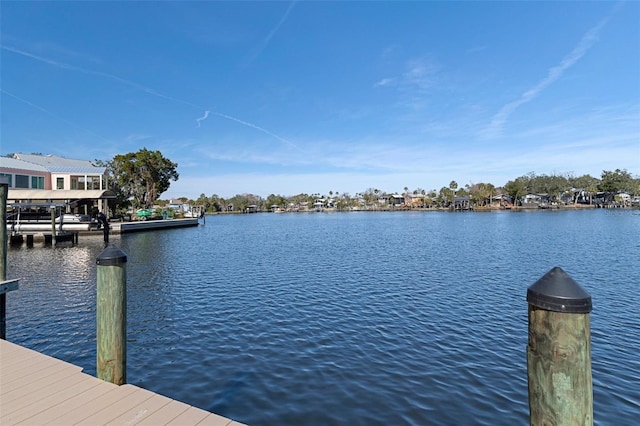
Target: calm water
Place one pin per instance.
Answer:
(358, 318)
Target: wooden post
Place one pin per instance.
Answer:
(111, 315)
(559, 352)
(4, 190)
(53, 225)
(102, 220)
(5, 287)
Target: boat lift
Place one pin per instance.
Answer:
(19, 223)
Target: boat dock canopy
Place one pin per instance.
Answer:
(59, 194)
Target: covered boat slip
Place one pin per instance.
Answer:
(74, 199)
(53, 212)
(36, 205)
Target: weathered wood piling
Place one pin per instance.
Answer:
(559, 352)
(111, 315)
(5, 286)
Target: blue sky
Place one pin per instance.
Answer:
(289, 97)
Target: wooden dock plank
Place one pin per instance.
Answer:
(135, 398)
(165, 414)
(214, 420)
(26, 380)
(29, 363)
(80, 412)
(192, 416)
(9, 359)
(25, 367)
(36, 389)
(79, 384)
(50, 414)
(142, 411)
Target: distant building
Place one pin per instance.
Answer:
(48, 178)
(179, 206)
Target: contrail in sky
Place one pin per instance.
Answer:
(554, 73)
(204, 117)
(266, 41)
(228, 117)
(46, 111)
(96, 73)
(136, 86)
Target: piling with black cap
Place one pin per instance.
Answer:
(111, 315)
(559, 351)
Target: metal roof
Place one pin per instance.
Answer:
(58, 194)
(12, 163)
(57, 164)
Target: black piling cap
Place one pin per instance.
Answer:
(556, 291)
(110, 256)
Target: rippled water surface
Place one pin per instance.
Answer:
(358, 318)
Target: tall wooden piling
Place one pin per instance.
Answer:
(4, 190)
(53, 225)
(559, 352)
(111, 315)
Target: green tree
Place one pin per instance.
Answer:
(275, 200)
(144, 175)
(445, 196)
(586, 182)
(516, 188)
(618, 180)
(478, 193)
(121, 203)
(203, 200)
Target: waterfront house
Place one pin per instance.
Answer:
(623, 199)
(179, 206)
(395, 200)
(534, 201)
(414, 200)
(79, 184)
(461, 203)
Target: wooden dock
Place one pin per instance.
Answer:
(151, 225)
(36, 389)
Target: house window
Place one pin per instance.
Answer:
(8, 176)
(95, 182)
(37, 182)
(22, 181)
(59, 183)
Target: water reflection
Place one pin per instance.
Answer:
(344, 318)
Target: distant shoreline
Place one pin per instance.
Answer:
(482, 209)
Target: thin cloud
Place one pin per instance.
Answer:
(384, 82)
(420, 74)
(57, 117)
(554, 73)
(419, 77)
(204, 117)
(263, 45)
(139, 87)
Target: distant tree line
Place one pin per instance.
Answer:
(138, 179)
(479, 194)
